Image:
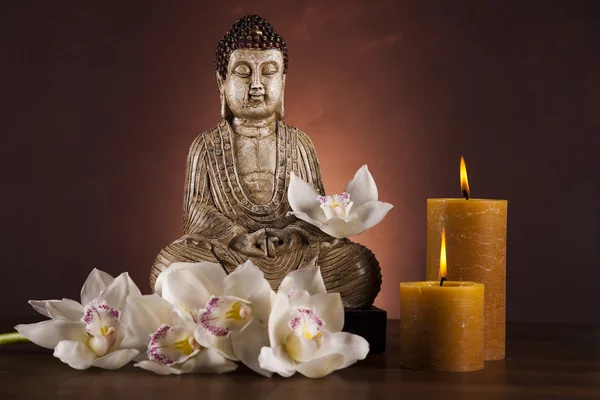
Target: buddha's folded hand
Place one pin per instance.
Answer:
(282, 241)
(250, 244)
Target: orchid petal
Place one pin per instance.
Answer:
(326, 209)
(279, 319)
(116, 359)
(306, 337)
(160, 280)
(306, 279)
(372, 212)
(100, 344)
(306, 218)
(340, 228)
(132, 341)
(303, 199)
(188, 320)
(362, 187)
(248, 343)
(172, 345)
(225, 314)
(145, 314)
(276, 360)
(329, 307)
(210, 274)
(222, 345)
(192, 286)
(96, 282)
(74, 353)
(301, 349)
(98, 317)
(213, 271)
(64, 309)
(321, 367)
(352, 347)
(48, 333)
(208, 361)
(117, 291)
(158, 368)
(299, 299)
(248, 282)
(185, 293)
(40, 306)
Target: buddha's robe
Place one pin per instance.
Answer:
(216, 209)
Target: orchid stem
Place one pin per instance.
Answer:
(12, 338)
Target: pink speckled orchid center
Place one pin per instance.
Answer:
(337, 205)
(102, 323)
(306, 324)
(307, 337)
(225, 314)
(172, 345)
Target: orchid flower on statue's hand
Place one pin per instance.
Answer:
(90, 333)
(231, 311)
(305, 329)
(169, 339)
(341, 215)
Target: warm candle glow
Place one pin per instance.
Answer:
(443, 270)
(464, 181)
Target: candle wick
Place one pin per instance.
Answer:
(442, 281)
(465, 194)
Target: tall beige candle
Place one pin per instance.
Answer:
(476, 247)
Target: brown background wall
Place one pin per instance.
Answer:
(101, 100)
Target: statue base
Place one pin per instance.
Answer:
(370, 323)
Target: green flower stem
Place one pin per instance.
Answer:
(12, 338)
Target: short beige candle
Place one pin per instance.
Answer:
(441, 327)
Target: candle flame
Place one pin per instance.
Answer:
(464, 181)
(443, 269)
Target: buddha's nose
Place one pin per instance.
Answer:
(256, 85)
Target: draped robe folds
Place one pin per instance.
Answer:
(216, 208)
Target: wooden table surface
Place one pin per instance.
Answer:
(544, 361)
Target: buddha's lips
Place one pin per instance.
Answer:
(257, 97)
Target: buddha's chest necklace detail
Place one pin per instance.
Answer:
(227, 182)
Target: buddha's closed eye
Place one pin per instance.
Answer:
(242, 70)
(269, 69)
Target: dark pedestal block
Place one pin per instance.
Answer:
(369, 323)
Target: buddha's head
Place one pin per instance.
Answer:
(251, 63)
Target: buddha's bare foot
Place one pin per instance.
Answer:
(194, 240)
(331, 244)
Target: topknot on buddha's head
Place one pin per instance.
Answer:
(249, 32)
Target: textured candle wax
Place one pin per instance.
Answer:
(476, 246)
(441, 327)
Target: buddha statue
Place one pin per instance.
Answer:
(235, 198)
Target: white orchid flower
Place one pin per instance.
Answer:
(169, 339)
(305, 329)
(231, 311)
(341, 215)
(90, 335)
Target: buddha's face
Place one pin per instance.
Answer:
(255, 82)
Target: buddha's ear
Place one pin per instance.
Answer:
(219, 81)
(281, 109)
(225, 112)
